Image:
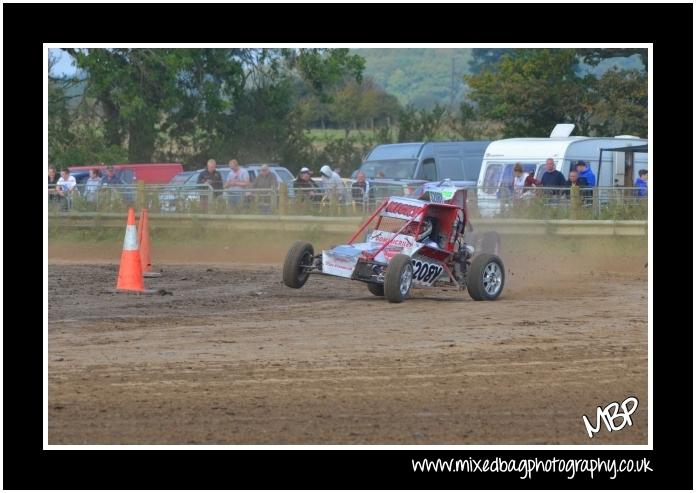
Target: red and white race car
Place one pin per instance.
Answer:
(417, 240)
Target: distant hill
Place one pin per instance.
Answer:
(419, 76)
(423, 76)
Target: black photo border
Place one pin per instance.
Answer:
(26, 26)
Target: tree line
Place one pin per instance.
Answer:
(186, 105)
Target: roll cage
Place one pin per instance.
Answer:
(449, 217)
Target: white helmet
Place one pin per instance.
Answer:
(426, 229)
(326, 171)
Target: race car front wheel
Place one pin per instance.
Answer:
(486, 277)
(398, 278)
(297, 264)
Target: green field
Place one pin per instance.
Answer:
(321, 136)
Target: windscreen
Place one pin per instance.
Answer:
(472, 167)
(284, 175)
(390, 224)
(395, 151)
(401, 169)
(180, 179)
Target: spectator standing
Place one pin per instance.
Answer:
(210, 176)
(237, 182)
(265, 181)
(111, 178)
(52, 181)
(52, 175)
(584, 171)
(519, 180)
(642, 183)
(575, 180)
(305, 187)
(332, 184)
(530, 181)
(552, 177)
(360, 189)
(65, 187)
(92, 186)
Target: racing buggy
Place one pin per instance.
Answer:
(417, 240)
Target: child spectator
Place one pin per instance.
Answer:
(92, 186)
(642, 183)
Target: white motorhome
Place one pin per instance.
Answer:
(501, 155)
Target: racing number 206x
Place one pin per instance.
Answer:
(425, 272)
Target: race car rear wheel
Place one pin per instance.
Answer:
(295, 272)
(376, 289)
(486, 277)
(398, 278)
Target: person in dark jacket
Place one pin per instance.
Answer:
(210, 176)
(304, 186)
(574, 180)
(360, 190)
(111, 178)
(52, 181)
(552, 177)
(52, 175)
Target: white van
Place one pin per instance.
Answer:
(501, 155)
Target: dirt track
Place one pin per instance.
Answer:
(233, 356)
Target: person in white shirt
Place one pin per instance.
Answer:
(66, 187)
(518, 180)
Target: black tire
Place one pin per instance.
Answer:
(398, 278)
(376, 289)
(300, 253)
(486, 277)
(490, 243)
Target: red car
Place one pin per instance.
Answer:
(150, 173)
(408, 241)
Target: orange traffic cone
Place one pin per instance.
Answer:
(144, 243)
(130, 274)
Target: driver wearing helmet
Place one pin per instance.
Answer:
(422, 236)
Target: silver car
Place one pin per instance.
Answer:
(185, 187)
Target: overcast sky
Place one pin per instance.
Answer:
(64, 65)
